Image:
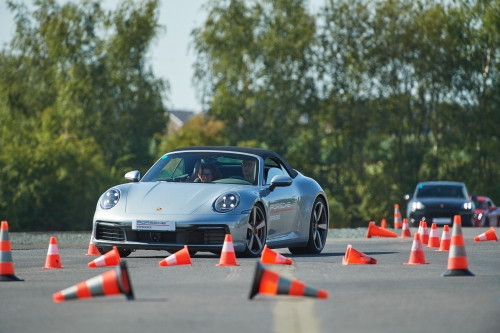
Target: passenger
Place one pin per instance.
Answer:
(248, 170)
(208, 173)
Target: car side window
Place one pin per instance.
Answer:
(273, 168)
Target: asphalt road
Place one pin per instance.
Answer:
(386, 297)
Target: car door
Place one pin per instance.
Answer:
(283, 202)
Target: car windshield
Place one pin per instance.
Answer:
(480, 204)
(441, 191)
(205, 167)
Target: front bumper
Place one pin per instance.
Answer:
(206, 233)
(439, 218)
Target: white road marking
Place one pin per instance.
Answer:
(295, 314)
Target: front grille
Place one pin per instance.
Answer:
(108, 231)
(194, 235)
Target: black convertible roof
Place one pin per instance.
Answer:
(264, 153)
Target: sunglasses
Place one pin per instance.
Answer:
(206, 175)
(248, 164)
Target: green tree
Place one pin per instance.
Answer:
(79, 105)
(254, 64)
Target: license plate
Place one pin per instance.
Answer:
(153, 225)
(441, 220)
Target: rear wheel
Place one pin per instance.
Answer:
(318, 230)
(256, 233)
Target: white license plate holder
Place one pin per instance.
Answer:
(152, 225)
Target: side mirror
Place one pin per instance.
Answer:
(133, 176)
(406, 197)
(280, 181)
(492, 208)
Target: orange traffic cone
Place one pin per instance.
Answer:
(419, 231)
(433, 237)
(374, 230)
(445, 240)
(227, 256)
(417, 256)
(356, 257)
(269, 283)
(383, 224)
(457, 260)
(114, 282)
(405, 231)
(92, 251)
(180, 257)
(6, 263)
(424, 234)
(487, 236)
(111, 258)
(53, 260)
(271, 257)
(398, 223)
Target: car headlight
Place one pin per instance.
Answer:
(227, 202)
(417, 206)
(468, 205)
(110, 198)
(478, 216)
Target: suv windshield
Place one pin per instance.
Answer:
(441, 191)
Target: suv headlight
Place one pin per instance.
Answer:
(468, 205)
(110, 198)
(227, 202)
(417, 206)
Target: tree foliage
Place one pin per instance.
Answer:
(79, 105)
(368, 97)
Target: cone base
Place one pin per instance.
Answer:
(458, 272)
(227, 265)
(7, 278)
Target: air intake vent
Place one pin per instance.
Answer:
(110, 232)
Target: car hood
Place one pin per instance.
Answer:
(171, 198)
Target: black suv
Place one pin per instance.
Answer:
(439, 202)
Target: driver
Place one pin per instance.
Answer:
(248, 170)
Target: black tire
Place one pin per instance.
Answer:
(124, 252)
(256, 233)
(121, 251)
(191, 252)
(104, 249)
(486, 222)
(318, 230)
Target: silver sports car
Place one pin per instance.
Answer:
(194, 196)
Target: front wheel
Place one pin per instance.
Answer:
(318, 230)
(256, 233)
(121, 251)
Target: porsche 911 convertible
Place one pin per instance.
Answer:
(252, 194)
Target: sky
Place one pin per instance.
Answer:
(170, 57)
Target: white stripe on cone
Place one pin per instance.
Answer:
(53, 249)
(171, 260)
(228, 247)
